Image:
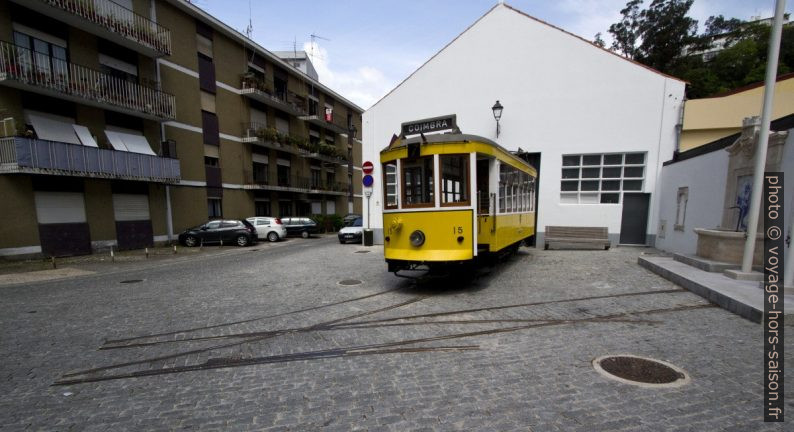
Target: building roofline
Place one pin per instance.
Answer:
(783, 77)
(532, 18)
(779, 124)
(224, 28)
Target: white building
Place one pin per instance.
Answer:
(563, 98)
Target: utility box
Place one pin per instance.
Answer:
(368, 236)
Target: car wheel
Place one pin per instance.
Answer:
(341, 241)
(305, 234)
(191, 241)
(272, 236)
(242, 240)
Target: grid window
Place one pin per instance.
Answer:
(417, 182)
(600, 178)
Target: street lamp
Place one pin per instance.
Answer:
(497, 114)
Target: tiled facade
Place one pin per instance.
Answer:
(124, 123)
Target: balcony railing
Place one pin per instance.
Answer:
(117, 19)
(35, 156)
(21, 67)
(270, 137)
(262, 90)
(293, 183)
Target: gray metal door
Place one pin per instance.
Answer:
(634, 224)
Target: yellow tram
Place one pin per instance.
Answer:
(450, 198)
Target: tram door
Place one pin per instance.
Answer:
(483, 202)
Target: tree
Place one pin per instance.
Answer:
(626, 32)
(597, 40)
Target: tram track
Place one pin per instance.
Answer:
(368, 349)
(157, 363)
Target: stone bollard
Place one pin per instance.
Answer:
(112, 256)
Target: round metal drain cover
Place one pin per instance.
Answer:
(641, 371)
(349, 282)
(131, 281)
(362, 251)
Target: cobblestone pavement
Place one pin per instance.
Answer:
(267, 339)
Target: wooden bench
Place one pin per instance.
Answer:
(595, 236)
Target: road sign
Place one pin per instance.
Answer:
(367, 167)
(367, 180)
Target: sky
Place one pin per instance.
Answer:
(364, 48)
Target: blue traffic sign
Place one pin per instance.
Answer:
(367, 180)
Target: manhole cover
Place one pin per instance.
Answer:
(131, 281)
(348, 282)
(640, 371)
(362, 252)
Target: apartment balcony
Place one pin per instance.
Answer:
(110, 21)
(34, 156)
(262, 91)
(319, 120)
(263, 136)
(293, 184)
(25, 70)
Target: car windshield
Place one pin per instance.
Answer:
(357, 222)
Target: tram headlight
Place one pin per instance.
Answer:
(417, 238)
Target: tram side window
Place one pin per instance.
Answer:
(390, 180)
(516, 190)
(454, 179)
(417, 182)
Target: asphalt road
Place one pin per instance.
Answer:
(279, 337)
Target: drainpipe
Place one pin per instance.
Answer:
(679, 128)
(763, 137)
(169, 220)
(788, 275)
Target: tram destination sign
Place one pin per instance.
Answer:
(435, 124)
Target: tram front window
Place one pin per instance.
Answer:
(417, 181)
(454, 179)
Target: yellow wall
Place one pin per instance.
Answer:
(709, 119)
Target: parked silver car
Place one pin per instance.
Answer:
(269, 228)
(352, 233)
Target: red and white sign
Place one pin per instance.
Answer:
(367, 167)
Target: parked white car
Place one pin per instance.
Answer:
(352, 233)
(269, 228)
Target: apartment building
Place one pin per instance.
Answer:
(127, 121)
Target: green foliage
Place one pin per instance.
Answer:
(328, 223)
(662, 36)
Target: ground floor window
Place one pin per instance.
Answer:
(284, 208)
(214, 208)
(601, 178)
(262, 208)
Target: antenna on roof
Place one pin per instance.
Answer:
(313, 37)
(250, 29)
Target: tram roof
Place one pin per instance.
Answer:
(441, 138)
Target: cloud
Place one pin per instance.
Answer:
(363, 85)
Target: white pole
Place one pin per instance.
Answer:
(763, 138)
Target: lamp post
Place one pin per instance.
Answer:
(497, 114)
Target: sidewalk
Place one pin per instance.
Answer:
(36, 270)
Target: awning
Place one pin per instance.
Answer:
(52, 127)
(85, 136)
(116, 141)
(133, 143)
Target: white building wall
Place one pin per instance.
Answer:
(561, 95)
(705, 176)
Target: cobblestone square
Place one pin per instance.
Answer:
(265, 338)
